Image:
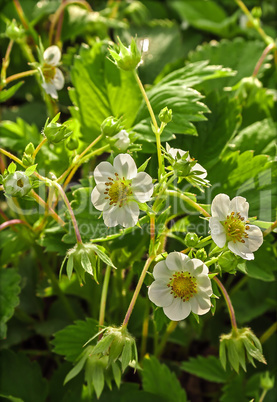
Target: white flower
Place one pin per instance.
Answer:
(181, 285)
(123, 140)
(118, 189)
(229, 223)
(177, 153)
(53, 78)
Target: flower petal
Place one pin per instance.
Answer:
(160, 294)
(199, 304)
(204, 284)
(110, 215)
(161, 271)
(142, 187)
(58, 80)
(176, 261)
(52, 55)
(103, 171)
(217, 231)
(98, 198)
(125, 166)
(50, 89)
(127, 215)
(199, 168)
(220, 206)
(241, 249)
(177, 310)
(255, 237)
(239, 204)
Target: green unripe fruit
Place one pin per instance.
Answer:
(201, 254)
(72, 143)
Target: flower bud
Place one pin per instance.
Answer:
(56, 132)
(118, 344)
(238, 347)
(17, 184)
(29, 149)
(165, 115)
(110, 126)
(14, 32)
(28, 160)
(256, 12)
(72, 143)
(84, 257)
(228, 262)
(267, 382)
(191, 239)
(201, 254)
(128, 58)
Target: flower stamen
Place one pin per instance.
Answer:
(183, 285)
(235, 227)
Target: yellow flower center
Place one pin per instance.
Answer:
(48, 72)
(118, 191)
(235, 227)
(183, 285)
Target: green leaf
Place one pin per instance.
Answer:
(209, 368)
(101, 252)
(30, 170)
(98, 380)
(11, 398)
(158, 379)
(21, 378)
(69, 266)
(86, 264)
(9, 290)
(12, 167)
(206, 15)
(259, 136)
(78, 366)
(126, 355)
(6, 94)
(70, 340)
(144, 165)
(234, 391)
(101, 90)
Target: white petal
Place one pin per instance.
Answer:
(239, 204)
(161, 271)
(255, 237)
(98, 198)
(217, 231)
(50, 90)
(176, 153)
(142, 187)
(58, 80)
(160, 294)
(52, 55)
(177, 310)
(127, 215)
(199, 168)
(220, 206)
(125, 166)
(176, 261)
(110, 215)
(199, 304)
(204, 283)
(199, 268)
(241, 250)
(103, 171)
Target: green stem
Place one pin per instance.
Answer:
(11, 156)
(228, 303)
(6, 61)
(104, 296)
(24, 20)
(38, 147)
(137, 290)
(189, 201)
(51, 211)
(70, 210)
(255, 24)
(263, 395)
(20, 75)
(211, 262)
(170, 328)
(261, 59)
(270, 331)
(154, 121)
(145, 328)
(270, 229)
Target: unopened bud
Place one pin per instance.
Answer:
(56, 132)
(110, 126)
(29, 149)
(165, 115)
(201, 254)
(128, 58)
(267, 382)
(228, 262)
(191, 239)
(72, 143)
(14, 31)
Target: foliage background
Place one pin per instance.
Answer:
(230, 129)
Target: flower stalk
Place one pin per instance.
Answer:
(228, 302)
(104, 297)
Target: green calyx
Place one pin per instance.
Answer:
(56, 132)
(17, 184)
(110, 126)
(238, 347)
(128, 58)
(165, 115)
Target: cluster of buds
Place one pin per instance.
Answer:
(118, 138)
(85, 258)
(128, 58)
(240, 346)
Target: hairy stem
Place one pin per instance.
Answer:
(104, 296)
(188, 201)
(137, 290)
(6, 61)
(41, 202)
(38, 147)
(228, 303)
(20, 75)
(261, 59)
(268, 333)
